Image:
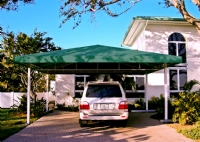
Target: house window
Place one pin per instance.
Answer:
(177, 75)
(178, 78)
(177, 45)
(137, 82)
(80, 82)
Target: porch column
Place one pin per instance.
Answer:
(166, 89)
(84, 81)
(28, 96)
(146, 97)
(47, 92)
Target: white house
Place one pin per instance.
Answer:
(167, 35)
(164, 35)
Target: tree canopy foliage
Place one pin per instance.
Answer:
(74, 9)
(14, 77)
(13, 4)
(181, 7)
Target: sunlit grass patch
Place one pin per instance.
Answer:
(190, 131)
(11, 124)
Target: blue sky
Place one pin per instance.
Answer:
(44, 15)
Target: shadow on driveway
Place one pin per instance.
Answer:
(62, 126)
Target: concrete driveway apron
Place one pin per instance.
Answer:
(62, 126)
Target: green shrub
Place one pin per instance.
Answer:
(40, 107)
(23, 104)
(72, 108)
(139, 104)
(130, 107)
(60, 106)
(37, 108)
(22, 108)
(187, 108)
(158, 104)
(155, 102)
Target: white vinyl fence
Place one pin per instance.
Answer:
(8, 99)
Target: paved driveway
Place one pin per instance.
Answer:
(61, 126)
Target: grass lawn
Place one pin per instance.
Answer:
(10, 124)
(190, 131)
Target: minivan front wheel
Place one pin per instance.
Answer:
(82, 123)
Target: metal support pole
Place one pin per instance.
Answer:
(28, 96)
(166, 90)
(146, 97)
(47, 92)
(84, 81)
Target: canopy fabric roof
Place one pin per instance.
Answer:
(97, 59)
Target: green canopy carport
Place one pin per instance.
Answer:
(98, 59)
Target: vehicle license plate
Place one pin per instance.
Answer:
(106, 106)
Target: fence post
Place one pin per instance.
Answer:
(12, 94)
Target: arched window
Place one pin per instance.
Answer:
(177, 75)
(177, 45)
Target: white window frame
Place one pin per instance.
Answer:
(178, 67)
(177, 42)
(178, 78)
(79, 91)
(134, 76)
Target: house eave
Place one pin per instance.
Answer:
(137, 26)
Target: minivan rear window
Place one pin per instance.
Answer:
(103, 90)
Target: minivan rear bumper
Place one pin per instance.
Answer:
(123, 116)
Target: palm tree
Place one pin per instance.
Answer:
(189, 85)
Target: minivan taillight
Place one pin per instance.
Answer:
(84, 105)
(123, 105)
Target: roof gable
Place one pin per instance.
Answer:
(139, 24)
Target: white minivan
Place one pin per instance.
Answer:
(103, 101)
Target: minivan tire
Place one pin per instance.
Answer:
(82, 123)
(123, 123)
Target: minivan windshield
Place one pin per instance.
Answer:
(102, 90)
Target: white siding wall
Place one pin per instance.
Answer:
(156, 40)
(139, 43)
(65, 83)
(154, 90)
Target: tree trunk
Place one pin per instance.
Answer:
(33, 94)
(180, 5)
